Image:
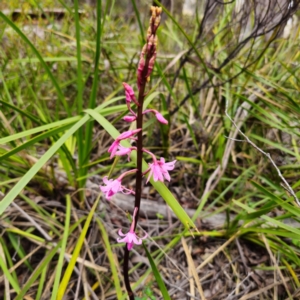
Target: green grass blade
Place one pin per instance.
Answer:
(49, 126)
(36, 52)
(13, 193)
(62, 250)
(160, 282)
(66, 278)
(37, 272)
(137, 14)
(111, 259)
(42, 281)
(6, 272)
(33, 141)
(20, 111)
(19, 249)
(92, 101)
(79, 99)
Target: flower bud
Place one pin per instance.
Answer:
(160, 118)
(129, 118)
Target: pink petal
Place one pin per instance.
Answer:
(122, 240)
(137, 240)
(123, 150)
(129, 246)
(128, 89)
(169, 166)
(113, 148)
(129, 118)
(157, 174)
(167, 176)
(120, 233)
(150, 174)
(127, 97)
(128, 134)
(106, 180)
(160, 118)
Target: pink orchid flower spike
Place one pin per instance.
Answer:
(131, 238)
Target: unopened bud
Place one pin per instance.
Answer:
(129, 118)
(153, 12)
(140, 71)
(150, 43)
(151, 65)
(149, 33)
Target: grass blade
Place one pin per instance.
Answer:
(13, 193)
(36, 52)
(63, 285)
(62, 250)
(157, 276)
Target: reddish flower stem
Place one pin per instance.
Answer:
(139, 172)
(145, 67)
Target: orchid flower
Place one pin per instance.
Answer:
(124, 151)
(125, 135)
(114, 186)
(130, 238)
(159, 169)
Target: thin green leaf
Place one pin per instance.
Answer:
(60, 262)
(160, 282)
(75, 254)
(13, 193)
(36, 52)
